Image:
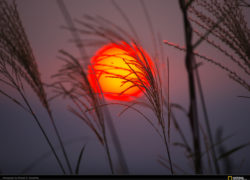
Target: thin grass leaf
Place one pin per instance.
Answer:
(128, 107)
(219, 143)
(233, 31)
(244, 97)
(83, 97)
(232, 74)
(14, 100)
(207, 33)
(178, 128)
(168, 102)
(181, 145)
(178, 106)
(79, 159)
(163, 161)
(18, 65)
(44, 156)
(207, 123)
(233, 150)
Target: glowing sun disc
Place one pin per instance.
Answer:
(110, 64)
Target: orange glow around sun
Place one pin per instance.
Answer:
(114, 63)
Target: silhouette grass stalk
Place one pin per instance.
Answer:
(40, 127)
(102, 28)
(193, 114)
(83, 97)
(60, 141)
(232, 31)
(224, 20)
(81, 48)
(206, 120)
(17, 63)
(149, 82)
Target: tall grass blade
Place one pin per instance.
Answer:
(193, 112)
(204, 108)
(77, 40)
(233, 150)
(44, 156)
(18, 64)
(79, 159)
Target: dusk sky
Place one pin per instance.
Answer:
(22, 142)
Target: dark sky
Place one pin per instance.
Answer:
(22, 142)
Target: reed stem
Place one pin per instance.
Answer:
(108, 152)
(193, 114)
(167, 148)
(207, 121)
(60, 141)
(41, 128)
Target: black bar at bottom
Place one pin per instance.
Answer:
(175, 177)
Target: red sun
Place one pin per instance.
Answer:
(114, 66)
